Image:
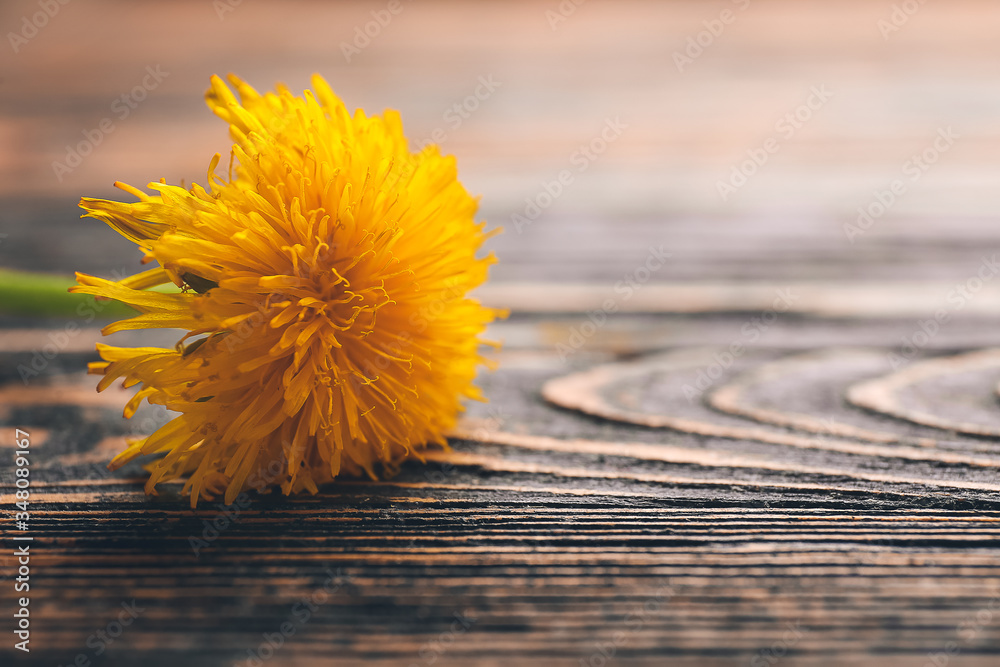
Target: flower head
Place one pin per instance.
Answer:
(323, 290)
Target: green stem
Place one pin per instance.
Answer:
(44, 295)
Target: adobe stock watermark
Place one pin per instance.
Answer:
(122, 107)
(584, 156)
(970, 628)
(605, 651)
(33, 24)
(768, 657)
(454, 117)
(957, 298)
(102, 639)
(223, 7)
(484, 430)
(562, 12)
(370, 30)
(697, 44)
(434, 649)
(750, 332)
(227, 516)
(251, 324)
(299, 614)
(785, 128)
(624, 290)
(459, 112)
(911, 172)
(899, 16)
(403, 344)
(223, 519)
(58, 340)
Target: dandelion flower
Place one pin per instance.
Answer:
(324, 294)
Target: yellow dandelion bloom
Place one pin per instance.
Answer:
(324, 295)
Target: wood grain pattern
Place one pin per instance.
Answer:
(710, 542)
(808, 504)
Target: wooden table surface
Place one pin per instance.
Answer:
(782, 447)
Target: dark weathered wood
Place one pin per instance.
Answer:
(551, 530)
(803, 509)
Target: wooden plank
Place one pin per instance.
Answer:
(637, 491)
(551, 542)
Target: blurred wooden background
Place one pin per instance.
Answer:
(631, 495)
